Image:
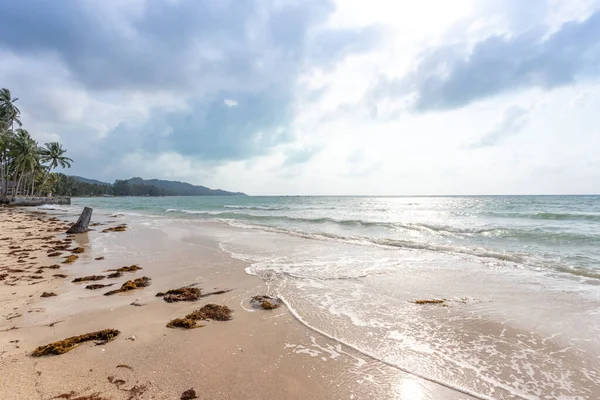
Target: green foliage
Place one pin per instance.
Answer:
(64, 185)
(125, 188)
(25, 167)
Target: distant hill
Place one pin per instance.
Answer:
(139, 187)
(182, 188)
(90, 181)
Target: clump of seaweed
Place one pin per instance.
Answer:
(184, 323)
(53, 266)
(99, 258)
(131, 285)
(54, 254)
(78, 250)
(265, 302)
(88, 278)
(131, 268)
(189, 395)
(97, 286)
(118, 228)
(69, 344)
(48, 294)
(71, 396)
(211, 311)
(181, 294)
(70, 259)
(430, 301)
(59, 275)
(114, 275)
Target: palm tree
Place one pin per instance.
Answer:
(25, 157)
(22, 162)
(53, 153)
(9, 114)
(10, 111)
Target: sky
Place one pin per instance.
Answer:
(315, 97)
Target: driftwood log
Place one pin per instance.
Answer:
(82, 223)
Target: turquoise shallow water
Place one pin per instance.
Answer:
(548, 233)
(521, 275)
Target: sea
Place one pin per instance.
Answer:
(519, 277)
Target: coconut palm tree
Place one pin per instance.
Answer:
(9, 114)
(25, 158)
(24, 165)
(53, 153)
(9, 110)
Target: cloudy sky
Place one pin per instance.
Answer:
(315, 97)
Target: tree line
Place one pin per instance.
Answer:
(64, 185)
(25, 167)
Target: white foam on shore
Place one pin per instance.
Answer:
(54, 208)
(375, 357)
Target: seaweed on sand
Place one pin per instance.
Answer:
(70, 259)
(78, 250)
(211, 311)
(99, 258)
(430, 301)
(97, 286)
(118, 228)
(265, 302)
(189, 394)
(69, 344)
(54, 254)
(71, 396)
(48, 294)
(59, 275)
(181, 294)
(184, 323)
(114, 275)
(88, 278)
(131, 268)
(131, 285)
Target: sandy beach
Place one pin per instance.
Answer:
(258, 354)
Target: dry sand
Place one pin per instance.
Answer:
(257, 355)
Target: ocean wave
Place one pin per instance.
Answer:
(384, 242)
(548, 216)
(53, 207)
(440, 230)
(258, 208)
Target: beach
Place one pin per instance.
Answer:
(258, 354)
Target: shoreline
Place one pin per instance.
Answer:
(220, 360)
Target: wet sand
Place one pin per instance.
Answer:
(258, 354)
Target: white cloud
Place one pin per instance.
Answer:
(333, 144)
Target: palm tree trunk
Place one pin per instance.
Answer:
(3, 174)
(2, 179)
(32, 182)
(17, 184)
(22, 182)
(46, 173)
